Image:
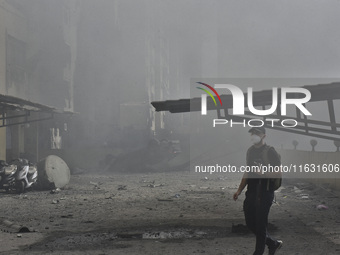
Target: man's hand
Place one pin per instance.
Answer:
(235, 196)
(241, 187)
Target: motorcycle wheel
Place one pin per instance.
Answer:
(20, 187)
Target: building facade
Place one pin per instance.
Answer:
(37, 63)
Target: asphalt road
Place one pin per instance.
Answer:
(165, 213)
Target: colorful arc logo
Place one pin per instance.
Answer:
(208, 92)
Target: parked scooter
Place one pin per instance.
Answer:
(26, 175)
(7, 175)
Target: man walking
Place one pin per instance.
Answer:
(260, 190)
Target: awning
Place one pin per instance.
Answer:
(24, 109)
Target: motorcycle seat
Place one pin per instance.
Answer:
(9, 169)
(32, 170)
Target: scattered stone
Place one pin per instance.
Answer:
(152, 185)
(322, 207)
(164, 200)
(55, 191)
(67, 216)
(122, 187)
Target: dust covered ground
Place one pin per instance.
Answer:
(165, 213)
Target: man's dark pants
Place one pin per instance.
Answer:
(256, 208)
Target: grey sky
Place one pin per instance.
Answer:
(280, 38)
(264, 38)
(208, 39)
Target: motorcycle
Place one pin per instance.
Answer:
(7, 175)
(26, 175)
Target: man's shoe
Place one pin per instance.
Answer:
(275, 248)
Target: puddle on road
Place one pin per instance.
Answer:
(109, 239)
(180, 234)
(183, 233)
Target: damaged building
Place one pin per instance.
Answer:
(48, 73)
(37, 63)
